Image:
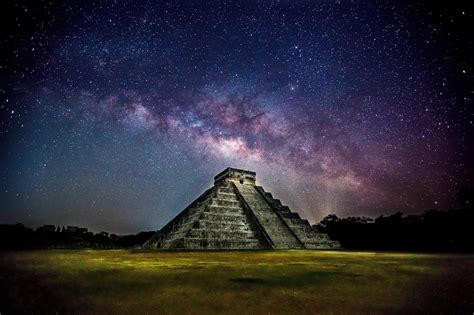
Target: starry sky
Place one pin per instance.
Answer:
(115, 115)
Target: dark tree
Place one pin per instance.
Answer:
(465, 197)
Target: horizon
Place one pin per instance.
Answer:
(155, 230)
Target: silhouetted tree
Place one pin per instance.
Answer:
(465, 197)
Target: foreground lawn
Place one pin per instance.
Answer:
(119, 281)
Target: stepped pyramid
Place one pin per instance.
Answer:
(237, 214)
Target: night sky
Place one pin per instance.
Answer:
(115, 115)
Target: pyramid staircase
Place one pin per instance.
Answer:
(237, 214)
(217, 220)
(306, 234)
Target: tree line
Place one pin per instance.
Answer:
(433, 230)
(17, 236)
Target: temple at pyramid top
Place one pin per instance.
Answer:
(237, 175)
(235, 213)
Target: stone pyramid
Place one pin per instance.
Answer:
(237, 214)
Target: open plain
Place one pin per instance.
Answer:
(235, 282)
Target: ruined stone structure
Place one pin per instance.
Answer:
(237, 214)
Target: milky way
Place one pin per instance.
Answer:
(116, 115)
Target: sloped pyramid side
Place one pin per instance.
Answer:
(279, 232)
(301, 228)
(216, 220)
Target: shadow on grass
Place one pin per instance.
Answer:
(249, 280)
(25, 292)
(304, 279)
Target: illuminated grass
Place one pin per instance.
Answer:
(119, 281)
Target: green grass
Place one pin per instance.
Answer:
(238, 282)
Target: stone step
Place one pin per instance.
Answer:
(215, 225)
(226, 196)
(225, 203)
(275, 202)
(223, 216)
(283, 209)
(219, 233)
(225, 190)
(225, 220)
(218, 208)
(217, 243)
(215, 222)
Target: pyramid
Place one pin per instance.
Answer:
(237, 214)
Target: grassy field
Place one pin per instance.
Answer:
(263, 282)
